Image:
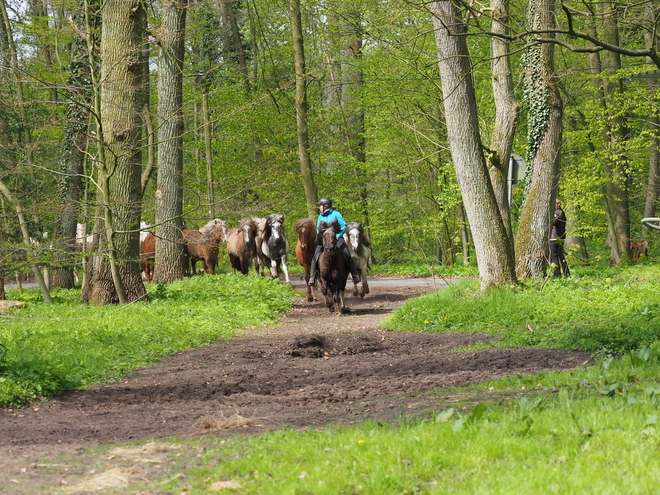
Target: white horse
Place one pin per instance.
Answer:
(360, 249)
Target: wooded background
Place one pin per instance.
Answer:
(405, 113)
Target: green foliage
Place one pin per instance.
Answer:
(68, 345)
(614, 311)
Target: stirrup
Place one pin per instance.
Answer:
(356, 279)
(312, 280)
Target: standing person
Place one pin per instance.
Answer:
(557, 238)
(328, 214)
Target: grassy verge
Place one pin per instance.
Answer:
(46, 349)
(611, 311)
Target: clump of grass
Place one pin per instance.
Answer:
(613, 313)
(69, 345)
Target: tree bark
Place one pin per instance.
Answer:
(121, 101)
(544, 143)
(506, 110)
(493, 250)
(311, 193)
(169, 193)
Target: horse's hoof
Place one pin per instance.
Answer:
(310, 299)
(362, 295)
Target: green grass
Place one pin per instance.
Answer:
(613, 312)
(67, 345)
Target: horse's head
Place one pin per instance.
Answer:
(306, 232)
(216, 229)
(354, 233)
(329, 232)
(275, 222)
(249, 230)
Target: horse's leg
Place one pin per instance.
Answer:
(286, 270)
(342, 302)
(273, 268)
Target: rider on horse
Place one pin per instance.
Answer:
(328, 214)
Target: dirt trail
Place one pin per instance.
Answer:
(311, 369)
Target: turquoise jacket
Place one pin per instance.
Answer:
(328, 216)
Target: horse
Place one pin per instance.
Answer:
(148, 256)
(305, 247)
(275, 245)
(360, 249)
(241, 245)
(333, 268)
(204, 245)
(637, 248)
(260, 261)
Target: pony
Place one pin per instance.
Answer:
(360, 248)
(275, 245)
(333, 268)
(639, 248)
(260, 261)
(148, 256)
(305, 247)
(204, 245)
(241, 245)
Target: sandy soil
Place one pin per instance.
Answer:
(312, 369)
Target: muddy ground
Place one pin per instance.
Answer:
(311, 369)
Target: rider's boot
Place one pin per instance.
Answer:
(312, 271)
(354, 273)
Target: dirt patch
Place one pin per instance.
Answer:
(312, 369)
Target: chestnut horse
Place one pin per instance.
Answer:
(275, 246)
(204, 245)
(241, 245)
(148, 256)
(305, 247)
(333, 268)
(360, 249)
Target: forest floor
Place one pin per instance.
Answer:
(309, 370)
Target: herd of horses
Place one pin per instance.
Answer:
(261, 243)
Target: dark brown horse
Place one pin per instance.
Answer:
(241, 245)
(333, 268)
(360, 249)
(305, 247)
(204, 245)
(148, 256)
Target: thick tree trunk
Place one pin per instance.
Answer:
(311, 193)
(653, 189)
(169, 192)
(544, 138)
(494, 252)
(506, 111)
(121, 103)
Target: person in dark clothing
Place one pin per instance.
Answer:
(328, 214)
(557, 238)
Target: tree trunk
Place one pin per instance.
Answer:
(493, 250)
(614, 135)
(653, 189)
(311, 193)
(74, 148)
(120, 162)
(169, 193)
(544, 143)
(506, 111)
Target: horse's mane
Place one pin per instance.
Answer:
(274, 218)
(334, 226)
(250, 223)
(304, 223)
